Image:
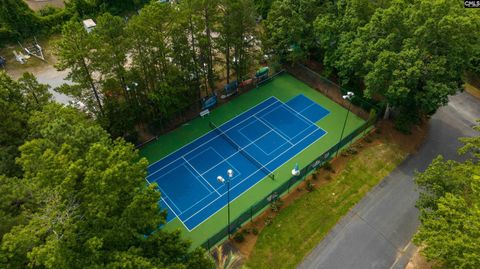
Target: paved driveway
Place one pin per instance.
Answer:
(377, 231)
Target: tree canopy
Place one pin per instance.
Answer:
(82, 202)
(450, 209)
(409, 54)
(18, 100)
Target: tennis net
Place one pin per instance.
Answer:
(242, 151)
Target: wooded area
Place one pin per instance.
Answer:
(64, 170)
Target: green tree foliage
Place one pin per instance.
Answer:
(208, 12)
(263, 7)
(159, 63)
(236, 35)
(289, 28)
(89, 206)
(74, 52)
(18, 99)
(163, 84)
(91, 7)
(450, 209)
(18, 18)
(413, 53)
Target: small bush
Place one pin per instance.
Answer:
(327, 166)
(352, 150)
(254, 231)
(239, 237)
(309, 186)
(276, 205)
(268, 221)
(314, 176)
(368, 139)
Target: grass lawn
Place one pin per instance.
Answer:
(299, 227)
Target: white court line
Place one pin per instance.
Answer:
(208, 141)
(162, 193)
(270, 130)
(237, 151)
(293, 138)
(268, 154)
(279, 132)
(250, 186)
(313, 103)
(199, 175)
(313, 123)
(290, 109)
(194, 156)
(226, 160)
(237, 174)
(173, 170)
(205, 197)
(170, 208)
(260, 169)
(241, 129)
(307, 107)
(272, 97)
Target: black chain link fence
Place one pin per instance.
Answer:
(335, 92)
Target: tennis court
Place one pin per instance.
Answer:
(253, 144)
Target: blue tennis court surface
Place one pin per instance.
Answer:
(253, 144)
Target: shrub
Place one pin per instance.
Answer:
(314, 176)
(268, 221)
(327, 166)
(276, 205)
(254, 231)
(239, 237)
(309, 186)
(352, 150)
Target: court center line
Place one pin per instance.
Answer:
(238, 151)
(208, 141)
(268, 154)
(211, 215)
(256, 145)
(170, 207)
(271, 126)
(182, 164)
(162, 193)
(194, 156)
(295, 112)
(198, 138)
(288, 108)
(260, 169)
(199, 201)
(199, 175)
(307, 107)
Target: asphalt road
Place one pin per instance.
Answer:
(54, 78)
(377, 231)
